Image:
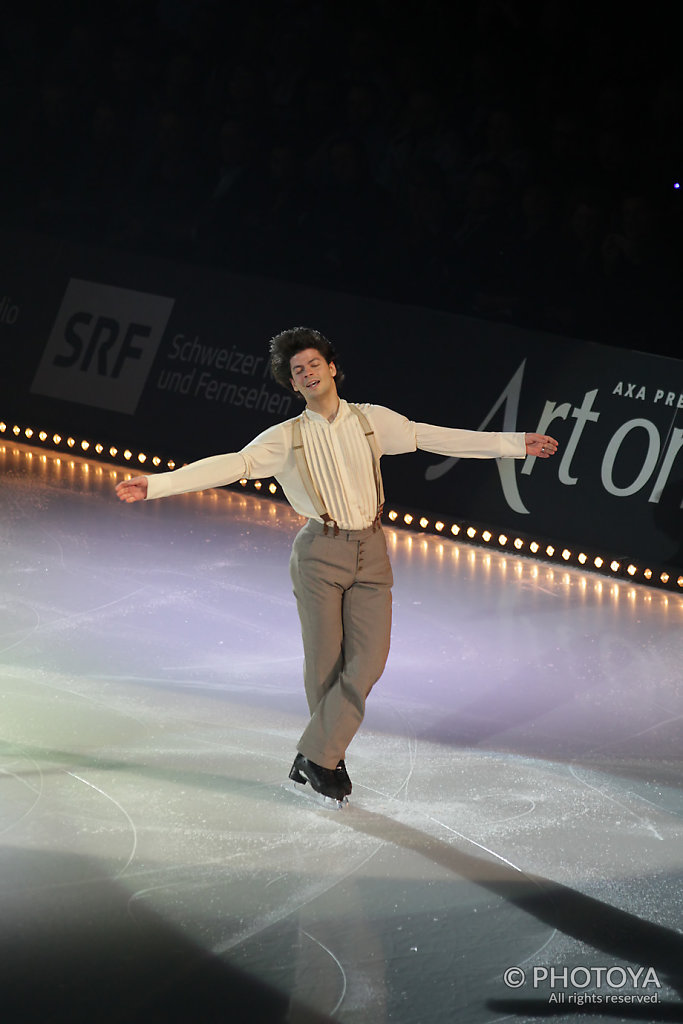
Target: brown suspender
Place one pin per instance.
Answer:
(307, 479)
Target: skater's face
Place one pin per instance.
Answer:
(312, 376)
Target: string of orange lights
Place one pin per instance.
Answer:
(482, 535)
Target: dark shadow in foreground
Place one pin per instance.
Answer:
(71, 953)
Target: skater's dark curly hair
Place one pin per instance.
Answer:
(287, 343)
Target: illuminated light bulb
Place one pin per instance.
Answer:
(42, 435)
(534, 546)
(566, 554)
(70, 441)
(648, 574)
(502, 539)
(679, 581)
(632, 570)
(598, 562)
(3, 428)
(519, 543)
(142, 457)
(393, 515)
(28, 432)
(113, 452)
(424, 523)
(486, 535)
(583, 558)
(438, 526)
(128, 454)
(56, 439)
(455, 529)
(407, 519)
(272, 488)
(156, 461)
(258, 485)
(99, 448)
(471, 532)
(243, 483)
(85, 445)
(614, 565)
(550, 551)
(171, 464)
(16, 430)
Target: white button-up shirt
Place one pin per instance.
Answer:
(339, 458)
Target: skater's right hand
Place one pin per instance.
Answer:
(134, 489)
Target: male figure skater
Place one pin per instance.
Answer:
(327, 463)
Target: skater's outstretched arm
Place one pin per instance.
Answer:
(396, 434)
(265, 456)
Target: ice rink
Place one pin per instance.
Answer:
(517, 794)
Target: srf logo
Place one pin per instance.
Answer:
(102, 345)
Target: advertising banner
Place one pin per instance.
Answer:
(173, 358)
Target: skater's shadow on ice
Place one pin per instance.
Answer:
(591, 921)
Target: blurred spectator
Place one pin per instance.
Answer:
(222, 222)
(168, 181)
(352, 224)
(639, 271)
(503, 144)
(46, 159)
(480, 251)
(538, 264)
(366, 120)
(429, 230)
(276, 221)
(425, 133)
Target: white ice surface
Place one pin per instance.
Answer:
(517, 782)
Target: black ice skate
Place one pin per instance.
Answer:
(328, 783)
(342, 774)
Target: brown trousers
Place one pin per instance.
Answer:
(342, 586)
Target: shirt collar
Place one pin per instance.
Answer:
(316, 417)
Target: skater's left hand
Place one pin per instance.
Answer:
(540, 445)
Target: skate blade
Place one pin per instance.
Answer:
(328, 803)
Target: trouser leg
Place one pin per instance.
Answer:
(343, 592)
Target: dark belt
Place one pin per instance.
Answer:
(324, 528)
